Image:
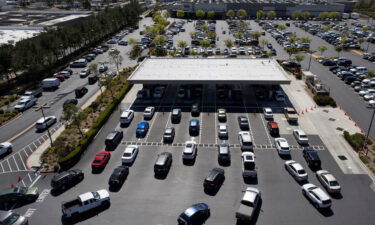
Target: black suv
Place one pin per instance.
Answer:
(163, 163)
(195, 110)
(312, 158)
(66, 179)
(176, 115)
(214, 179)
(113, 139)
(243, 123)
(223, 153)
(118, 176)
(80, 91)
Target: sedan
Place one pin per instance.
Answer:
(44, 123)
(24, 104)
(5, 148)
(328, 181)
(296, 170)
(243, 122)
(103, 68)
(223, 131)
(100, 161)
(195, 214)
(149, 113)
(300, 137)
(118, 176)
(70, 101)
(282, 146)
(190, 150)
(130, 154)
(316, 196)
(169, 135)
(222, 114)
(268, 114)
(11, 218)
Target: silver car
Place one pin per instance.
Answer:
(11, 218)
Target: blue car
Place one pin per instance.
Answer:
(142, 129)
(196, 213)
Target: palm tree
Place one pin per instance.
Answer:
(264, 42)
(338, 49)
(299, 58)
(182, 45)
(230, 13)
(271, 14)
(241, 13)
(305, 40)
(322, 49)
(200, 14)
(260, 14)
(229, 43)
(210, 14)
(360, 41)
(180, 13)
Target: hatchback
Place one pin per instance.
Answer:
(142, 129)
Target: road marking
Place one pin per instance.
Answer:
(169, 114)
(22, 161)
(357, 52)
(23, 183)
(29, 212)
(2, 168)
(313, 55)
(28, 175)
(34, 182)
(10, 168)
(43, 195)
(15, 162)
(34, 145)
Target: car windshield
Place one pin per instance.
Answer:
(333, 183)
(96, 195)
(10, 219)
(127, 154)
(302, 136)
(301, 171)
(97, 161)
(189, 145)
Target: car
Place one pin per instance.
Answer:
(18, 195)
(248, 165)
(148, 113)
(59, 76)
(195, 214)
(5, 148)
(25, 104)
(123, 42)
(181, 93)
(130, 153)
(70, 101)
(282, 146)
(100, 161)
(245, 140)
(194, 127)
(113, 139)
(84, 73)
(103, 68)
(223, 153)
(296, 170)
(300, 137)
(12, 218)
(328, 181)
(126, 117)
(45, 122)
(291, 64)
(118, 176)
(142, 129)
(195, 110)
(268, 114)
(168, 135)
(312, 158)
(158, 92)
(316, 196)
(214, 179)
(190, 151)
(222, 115)
(243, 122)
(66, 179)
(163, 163)
(176, 115)
(80, 91)
(273, 128)
(222, 131)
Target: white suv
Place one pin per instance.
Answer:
(190, 150)
(44, 123)
(296, 170)
(149, 113)
(316, 195)
(268, 113)
(282, 146)
(301, 137)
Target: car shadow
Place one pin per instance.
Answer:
(225, 164)
(250, 180)
(336, 196)
(213, 192)
(116, 188)
(326, 212)
(190, 162)
(97, 171)
(161, 176)
(84, 216)
(255, 217)
(286, 157)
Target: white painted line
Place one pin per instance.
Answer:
(33, 183)
(29, 213)
(23, 183)
(2, 168)
(10, 168)
(34, 145)
(19, 155)
(15, 162)
(169, 114)
(247, 116)
(28, 175)
(98, 132)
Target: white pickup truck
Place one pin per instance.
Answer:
(85, 202)
(249, 204)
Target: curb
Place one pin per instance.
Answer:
(14, 118)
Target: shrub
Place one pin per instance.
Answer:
(364, 159)
(323, 100)
(356, 140)
(1, 111)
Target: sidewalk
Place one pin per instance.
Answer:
(329, 123)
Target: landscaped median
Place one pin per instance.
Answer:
(84, 125)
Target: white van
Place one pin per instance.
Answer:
(50, 83)
(127, 117)
(279, 96)
(246, 143)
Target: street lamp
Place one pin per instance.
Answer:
(310, 53)
(41, 107)
(368, 131)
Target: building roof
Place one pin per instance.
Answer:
(209, 70)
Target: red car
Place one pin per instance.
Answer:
(61, 77)
(100, 161)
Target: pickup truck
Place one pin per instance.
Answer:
(250, 203)
(290, 114)
(248, 165)
(85, 202)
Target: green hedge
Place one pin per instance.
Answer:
(323, 100)
(74, 156)
(356, 140)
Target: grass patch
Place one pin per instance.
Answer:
(6, 115)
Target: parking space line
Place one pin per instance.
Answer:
(10, 168)
(15, 162)
(170, 112)
(201, 117)
(28, 175)
(34, 145)
(24, 149)
(2, 168)
(264, 124)
(19, 154)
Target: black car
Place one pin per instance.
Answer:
(168, 135)
(70, 101)
(243, 122)
(118, 176)
(176, 115)
(80, 91)
(92, 79)
(67, 179)
(214, 179)
(163, 163)
(312, 158)
(223, 153)
(291, 64)
(328, 62)
(18, 194)
(114, 138)
(194, 127)
(344, 62)
(195, 110)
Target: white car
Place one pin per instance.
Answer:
(282, 146)
(300, 137)
(368, 97)
(149, 113)
(268, 113)
(5, 148)
(371, 103)
(316, 195)
(130, 154)
(248, 165)
(24, 104)
(223, 131)
(190, 150)
(328, 181)
(84, 73)
(44, 123)
(233, 50)
(296, 170)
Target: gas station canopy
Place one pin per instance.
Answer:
(209, 71)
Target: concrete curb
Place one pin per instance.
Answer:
(14, 118)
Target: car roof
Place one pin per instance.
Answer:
(296, 165)
(168, 130)
(273, 124)
(250, 195)
(300, 132)
(245, 156)
(176, 111)
(162, 157)
(267, 109)
(194, 122)
(112, 134)
(322, 195)
(129, 148)
(142, 124)
(213, 173)
(283, 142)
(223, 148)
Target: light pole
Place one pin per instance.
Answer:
(368, 131)
(310, 53)
(41, 107)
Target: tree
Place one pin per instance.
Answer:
(291, 51)
(180, 13)
(166, 14)
(210, 14)
(323, 15)
(299, 58)
(229, 43)
(264, 42)
(93, 67)
(370, 74)
(204, 27)
(281, 27)
(230, 13)
(108, 82)
(338, 49)
(116, 58)
(327, 28)
(334, 15)
(133, 41)
(271, 14)
(193, 35)
(255, 34)
(322, 49)
(296, 15)
(211, 35)
(200, 14)
(182, 45)
(71, 113)
(241, 13)
(135, 52)
(305, 40)
(205, 43)
(305, 15)
(360, 41)
(260, 14)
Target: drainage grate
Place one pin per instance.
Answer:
(326, 111)
(339, 128)
(332, 119)
(342, 157)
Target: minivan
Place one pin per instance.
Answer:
(163, 163)
(113, 139)
(126, 117)
(245, 141)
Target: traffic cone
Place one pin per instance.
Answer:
(12, 186)
(302, 112)
(350, 118)
(346, 113)
(306, 110)
(315, 107)
(355, 124)
(311, 108)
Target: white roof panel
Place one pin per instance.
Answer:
(209, 70)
